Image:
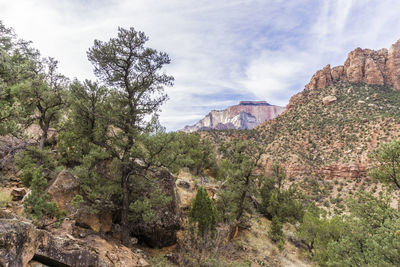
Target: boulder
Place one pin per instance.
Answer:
(329, 100)
(18, 194)
(63, 189)
(162, 232)
(101, 222)
(20, 242)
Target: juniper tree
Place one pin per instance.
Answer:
(278, 199)
(42, 97)
(386, 164)
(17, 61)
(240, 170)
(84, 125)
(131, 72)
(203, 213)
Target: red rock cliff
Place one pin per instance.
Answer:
(380, 67)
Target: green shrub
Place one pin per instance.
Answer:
(203, 212)
(4, 199)
(38, 205)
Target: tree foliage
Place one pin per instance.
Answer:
(38, 205)
(387, 164)
(203, 212)
(278, 200)
(239, 171)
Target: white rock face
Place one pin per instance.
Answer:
(246, 115)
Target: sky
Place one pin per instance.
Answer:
(222, 51)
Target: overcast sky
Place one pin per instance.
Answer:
(222, 51)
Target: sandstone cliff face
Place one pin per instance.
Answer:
(246, 115)
(380, 67)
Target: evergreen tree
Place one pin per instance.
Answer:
(38, 205)
(387, 164)
(84, 126)
(276, 232)
(131, 72)
(43, 97)
(203, 212)
(239, 171)
(276, 200)
(17, 62)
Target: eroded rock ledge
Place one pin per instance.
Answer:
(20, 242)
(380, 67)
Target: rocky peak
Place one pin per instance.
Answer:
(246, 115)
(368, 66)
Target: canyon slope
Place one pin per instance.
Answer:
(343, 114)
(327, 133)
(246, 115)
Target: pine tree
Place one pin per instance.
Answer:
(17, 61)
(203, 212)
(240, 170)
(387, 164)
(276, 232)
(131, 72)
(43, 97)
(38, 205)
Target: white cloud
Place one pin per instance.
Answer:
(221, 49)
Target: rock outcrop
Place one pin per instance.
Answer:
(20, 242)
(329, 100)
(246, 115)
(162, 231)
(380, 67)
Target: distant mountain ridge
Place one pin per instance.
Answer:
(245, 115)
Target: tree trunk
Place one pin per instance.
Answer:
(125, 231)
(45, 129)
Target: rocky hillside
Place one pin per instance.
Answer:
(329, 130)
(246, 115)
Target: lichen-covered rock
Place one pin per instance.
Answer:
(185, 192)
(101, 222)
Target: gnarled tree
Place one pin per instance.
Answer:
(131, 72)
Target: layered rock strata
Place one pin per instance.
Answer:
(368, 66)
(20, 242)
(380, 67)
(246, 115)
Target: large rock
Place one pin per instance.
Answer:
(246, 115)
(380, 67)
(18, 194)
(63, 189)
(393, 65)
(329, 100)
(21, 242)
(101, 222)
(162, 232)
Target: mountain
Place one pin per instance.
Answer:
(246, 115)
(328, 131)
